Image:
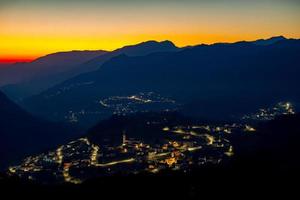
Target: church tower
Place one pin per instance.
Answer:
(124, 141)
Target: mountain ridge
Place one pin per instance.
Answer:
(211, 75)
(40, 83)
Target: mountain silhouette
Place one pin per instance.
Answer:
(25, 79)
(141, 49)
(269, 41)
(52, 69)
(211, 81)
(47, 65)
(148, 47)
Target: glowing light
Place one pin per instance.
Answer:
(194, 148)
(59, 155)
(67, 176)
(249, 129)
(171, 161)
(12, 169)
(153, 156)
(229, 153)
(210, 139)
(166, 129)
(180, 131)
(227, 130)
(115, 162)
(94, 155)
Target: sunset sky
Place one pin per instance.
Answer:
(32, 28)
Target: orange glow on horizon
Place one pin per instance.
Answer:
(15, 60)
(31, 30)
(27, 49)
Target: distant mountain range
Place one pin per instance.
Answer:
(211, 81)
(25, 79)
(22, 134)
(269, 41)
(22, 80)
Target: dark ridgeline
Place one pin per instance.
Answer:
(273, 150)
(269, 41)
(22, 80)
(26, 79)
(141, 49)
(212, 81)
(22, 134)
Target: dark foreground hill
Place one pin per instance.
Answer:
(273, 149)
(22, 134)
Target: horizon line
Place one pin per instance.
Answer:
(29, 59)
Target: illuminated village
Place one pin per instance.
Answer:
(282, 108)
(123, 105)
(178, 147)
